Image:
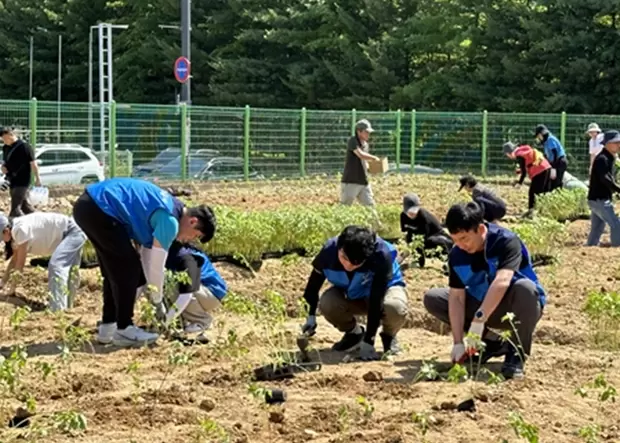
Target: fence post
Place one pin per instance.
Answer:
(246, 143)
(112, 139)
(32, 118)
(398, 123)
(302, 144)
(563, 129)
(413, 135)
(485, 123)
(183, 141)
(353, 120)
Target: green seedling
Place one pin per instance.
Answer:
(603, 311)
(523, 429)
(367, 407)
(421, 420)
(428, 372)
(211, 431)
(344, 418)
(70, 422)
(18, 316)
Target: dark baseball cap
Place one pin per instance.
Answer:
(207, 222)
(541, 129)
(612, 136)
(411, 201)
(509, 147)
(467, 180)
(6, 130)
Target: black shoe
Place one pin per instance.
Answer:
(492, 349)
(349, 342)
(421, 261)
(390, 344)
(445, 269)
(513, 366)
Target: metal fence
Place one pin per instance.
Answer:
(289, 142)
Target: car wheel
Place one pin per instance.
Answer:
(89, 179)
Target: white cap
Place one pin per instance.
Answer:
(364, 125)
(593, 127)
(4, 222)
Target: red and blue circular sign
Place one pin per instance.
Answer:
(182, 69)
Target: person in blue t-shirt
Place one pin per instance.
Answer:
(198, 295)
(115, 213)
(555, 154)
(366, 280)
(491, 275)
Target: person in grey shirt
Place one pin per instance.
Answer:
(354, 184)
(494, 207)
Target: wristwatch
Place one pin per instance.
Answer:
(479, 316)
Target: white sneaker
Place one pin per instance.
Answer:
(194, 328)
(105, 333)
(133, 336)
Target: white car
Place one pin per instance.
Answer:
(67, 164)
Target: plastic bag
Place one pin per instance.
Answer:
(39, 196)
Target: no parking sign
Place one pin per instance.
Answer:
(182, 69)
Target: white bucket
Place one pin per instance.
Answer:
(39, 196)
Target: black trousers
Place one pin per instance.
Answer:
(560, 166)
(539, 185)
(493, 210)
(521, 299)
(119, 261)
(19, 202)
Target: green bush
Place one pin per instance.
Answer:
(542, 236)
(603, 311)
(563, 204)
(251, 234)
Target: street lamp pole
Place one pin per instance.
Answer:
(30, 73)
(59, 85)
(186, 20)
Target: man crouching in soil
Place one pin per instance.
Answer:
(491, 275)
(366, 280)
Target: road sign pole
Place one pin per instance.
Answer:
(186, 20)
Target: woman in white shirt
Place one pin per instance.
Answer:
(46, 234)
(595, 143)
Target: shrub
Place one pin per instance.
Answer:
(563, 204)
(603, 311)
(542, 236)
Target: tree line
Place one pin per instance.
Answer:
(452, 55)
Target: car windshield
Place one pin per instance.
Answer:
(195, 165)
(166, 156)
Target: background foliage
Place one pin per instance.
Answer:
(499, 55)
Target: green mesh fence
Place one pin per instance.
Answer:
(237, 143)
(517, 128)
(449, 141)
(327, 133)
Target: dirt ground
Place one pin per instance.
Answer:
(150, 395)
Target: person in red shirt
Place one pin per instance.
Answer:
(533, 163)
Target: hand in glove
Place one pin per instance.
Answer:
(160, 312)
(472, 344)
(458, 353)
(367, 352)
(309, 327)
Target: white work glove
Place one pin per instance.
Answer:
(553, 174)
(471, 344)
(153, 264)
(309, 327)
(178, 307)
(458, 353)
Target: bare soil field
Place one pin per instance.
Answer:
(85, 392)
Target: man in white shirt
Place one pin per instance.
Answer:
(45, 234)
(595, 144)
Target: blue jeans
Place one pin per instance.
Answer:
(602, 213)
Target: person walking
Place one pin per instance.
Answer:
(555, 154)
(45, 234)
(354, 183)
(595, 145)
(535, 165)
(18, 167)
(115, 213)
(601, 190)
